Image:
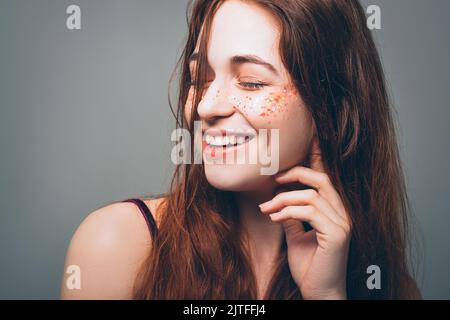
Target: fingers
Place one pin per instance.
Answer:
(318, 180)
(315, 179)
(319, 221)
(302, 197)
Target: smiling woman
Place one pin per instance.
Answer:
(310, 70)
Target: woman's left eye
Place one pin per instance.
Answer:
(252, 85)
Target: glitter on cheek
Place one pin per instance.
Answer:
(275, 104)
(243, 104)
(264, 106)
(278, 102)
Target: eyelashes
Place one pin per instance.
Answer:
(246, 85)
(253, 85)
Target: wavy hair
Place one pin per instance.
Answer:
(333, 62)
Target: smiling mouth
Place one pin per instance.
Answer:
(227, 141)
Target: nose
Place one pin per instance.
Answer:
(214, 103)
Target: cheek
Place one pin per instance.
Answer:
(266, 109)
(284, 110)
(296, 132)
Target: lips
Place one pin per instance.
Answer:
(221, 141)
(226, 141)
(217, 138)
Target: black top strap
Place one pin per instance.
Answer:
(147, 215)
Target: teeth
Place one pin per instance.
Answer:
(219, 141)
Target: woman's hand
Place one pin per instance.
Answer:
(318, 258)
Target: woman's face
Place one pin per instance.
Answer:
(248, 89)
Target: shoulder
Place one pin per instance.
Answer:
(107, 250)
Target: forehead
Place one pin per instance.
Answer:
(243, 28)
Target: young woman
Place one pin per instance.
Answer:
(337, 207)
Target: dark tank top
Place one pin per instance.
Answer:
(147, 215)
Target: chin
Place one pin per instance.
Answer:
(235, 177)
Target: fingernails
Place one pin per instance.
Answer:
(264, 205)
(274, 215)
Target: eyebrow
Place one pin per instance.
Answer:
(241, 59)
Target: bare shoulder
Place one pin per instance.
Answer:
(106, 252)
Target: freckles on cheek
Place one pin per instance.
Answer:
(267, 107)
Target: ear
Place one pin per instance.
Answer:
(315, 155)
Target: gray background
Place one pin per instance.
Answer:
(84, 121)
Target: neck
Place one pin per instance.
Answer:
(262, 236)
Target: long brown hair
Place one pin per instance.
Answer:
(333, 61)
